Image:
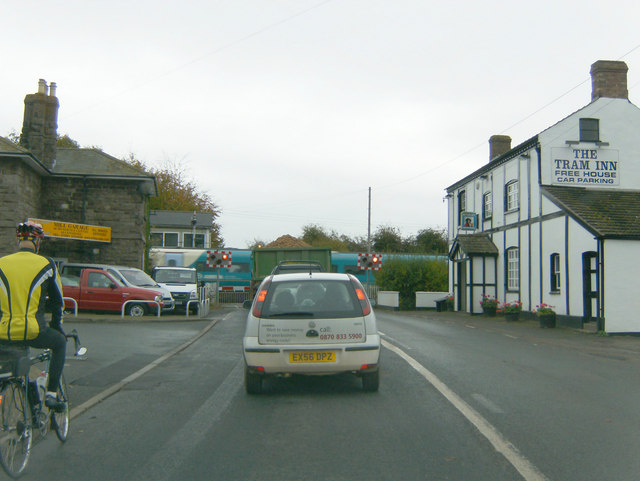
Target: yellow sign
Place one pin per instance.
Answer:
(66, 230)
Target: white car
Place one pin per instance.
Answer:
(311, 323)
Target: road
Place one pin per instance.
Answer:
(461, 398)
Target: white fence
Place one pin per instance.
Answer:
(427, 300)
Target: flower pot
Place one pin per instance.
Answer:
(547, 320)
(489, 310)
(511, 316)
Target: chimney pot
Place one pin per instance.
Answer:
(42, 86)
(609, 79)
(498, 145)
(52, 89)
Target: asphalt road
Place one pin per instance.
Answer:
(461, 398)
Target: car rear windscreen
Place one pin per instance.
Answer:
(309, 299)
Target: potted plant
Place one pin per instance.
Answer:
(546, 315)
(489, 304)
(512, 310)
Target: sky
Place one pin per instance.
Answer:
(288, 112)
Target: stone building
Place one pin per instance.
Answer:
(556, 219)
(76, 189)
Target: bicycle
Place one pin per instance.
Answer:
(22, 403)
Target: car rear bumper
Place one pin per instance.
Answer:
(276, 359)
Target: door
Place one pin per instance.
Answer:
(461, 267)
(101, 293)
(590, 286)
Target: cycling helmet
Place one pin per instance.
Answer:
(29, 231)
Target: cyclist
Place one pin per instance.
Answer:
(28, 281)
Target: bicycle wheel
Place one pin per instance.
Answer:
(15, 428)
(60, 420)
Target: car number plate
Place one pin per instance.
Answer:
(312, 356)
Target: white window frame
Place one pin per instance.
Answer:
(513, 268)
(487, 205)
(556, 280)
(512, 196)
(199, 235)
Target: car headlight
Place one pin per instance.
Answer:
(158, 299)
(193, 295)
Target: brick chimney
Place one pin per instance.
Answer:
(40, 124)
(498, 145)
(609, 79)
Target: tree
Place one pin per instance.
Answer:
(387, 239)
(316, 236)
(62, 140)
(432, 241)
(66, 141)
(175, 192)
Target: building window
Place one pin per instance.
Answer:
(513, 269)
(511, 197)
(555, 272)
(462, 204)
(487, 205)
(589, 130)
(156, 239)
(188, 240)
(164, 239)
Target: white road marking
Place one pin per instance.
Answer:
(528, 471)
(490, 405)
(395, 341)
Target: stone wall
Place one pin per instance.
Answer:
(111, 203)
(20, 193)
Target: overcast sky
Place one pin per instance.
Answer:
(286, 111)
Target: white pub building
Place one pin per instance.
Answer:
(556, 219)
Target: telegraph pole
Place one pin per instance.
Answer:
(369, 234)
(369, 224)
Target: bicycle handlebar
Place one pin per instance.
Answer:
(79, 350)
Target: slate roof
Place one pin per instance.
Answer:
(6, 146)
(474, 245)
(179, 219)
(613, 214)
(92, 162)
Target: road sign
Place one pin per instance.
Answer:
(370, 261)
(218, 258)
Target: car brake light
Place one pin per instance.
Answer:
(262, 295)
(362, 297)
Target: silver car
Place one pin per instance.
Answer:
(311, 323)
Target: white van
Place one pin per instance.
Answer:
(182, 282)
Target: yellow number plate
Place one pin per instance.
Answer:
(312, 356)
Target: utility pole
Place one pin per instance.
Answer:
(369, 224)
(369, 236)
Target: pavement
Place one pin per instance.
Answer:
(611, 346)
(216, 312)
(616, 346)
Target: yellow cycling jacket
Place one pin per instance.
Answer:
(27, 281)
